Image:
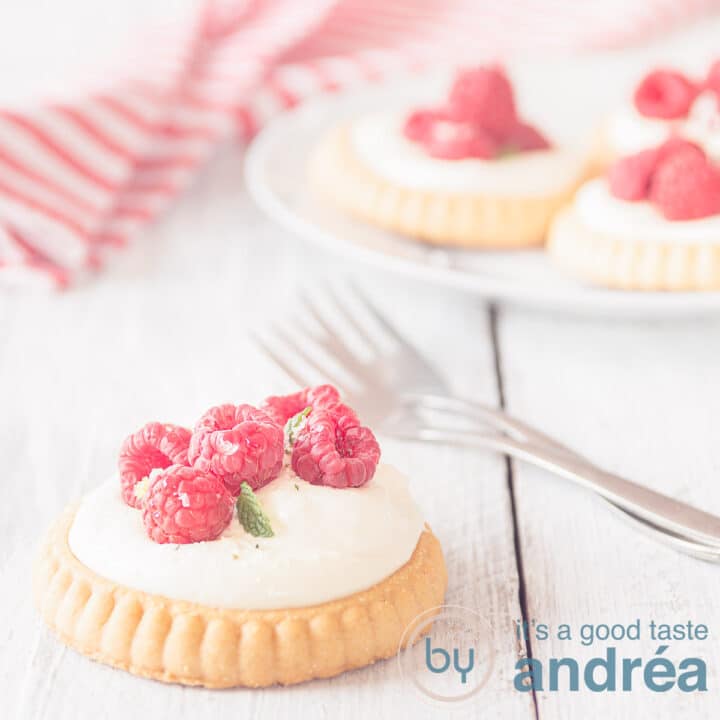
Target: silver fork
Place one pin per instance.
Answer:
(396, 390)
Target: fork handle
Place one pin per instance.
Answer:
(659, 509)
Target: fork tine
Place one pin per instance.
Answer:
(379, 318)
(332, 342)
(300, 351)
(409, 350)
(280, 362)
(317, 316)
(352, 322)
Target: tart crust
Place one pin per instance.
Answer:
(183, 642)
(602, 155)
(628, 263)
(468, 220)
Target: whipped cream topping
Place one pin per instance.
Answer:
(629, 132)
(378, 141)
(703, 124)
(599, 210)
(328, 544)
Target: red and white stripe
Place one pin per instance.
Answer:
(78, 180)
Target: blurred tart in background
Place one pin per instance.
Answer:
(651, 223)
(471, 173)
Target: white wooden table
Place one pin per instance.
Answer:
(163, 335)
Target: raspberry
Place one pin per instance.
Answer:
(479, 121)
(629, 177)
(483, 96)
(334, 449)
(524, 138)
(458, 140)
(155, 445)
(686, 186)
(183, 505)
(282, 407)
(675, 145)
(237, 443)
(665, 94)
(419, 123)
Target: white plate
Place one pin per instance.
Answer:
(275, 172)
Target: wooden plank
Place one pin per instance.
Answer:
(163, 336)
(640, 399)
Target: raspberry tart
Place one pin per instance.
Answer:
(665, 103)
(267, 545)
(652, 223)
(471, 173)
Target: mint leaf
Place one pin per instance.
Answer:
(251, 515)
(294, 425)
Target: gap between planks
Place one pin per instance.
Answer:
(493, 313)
